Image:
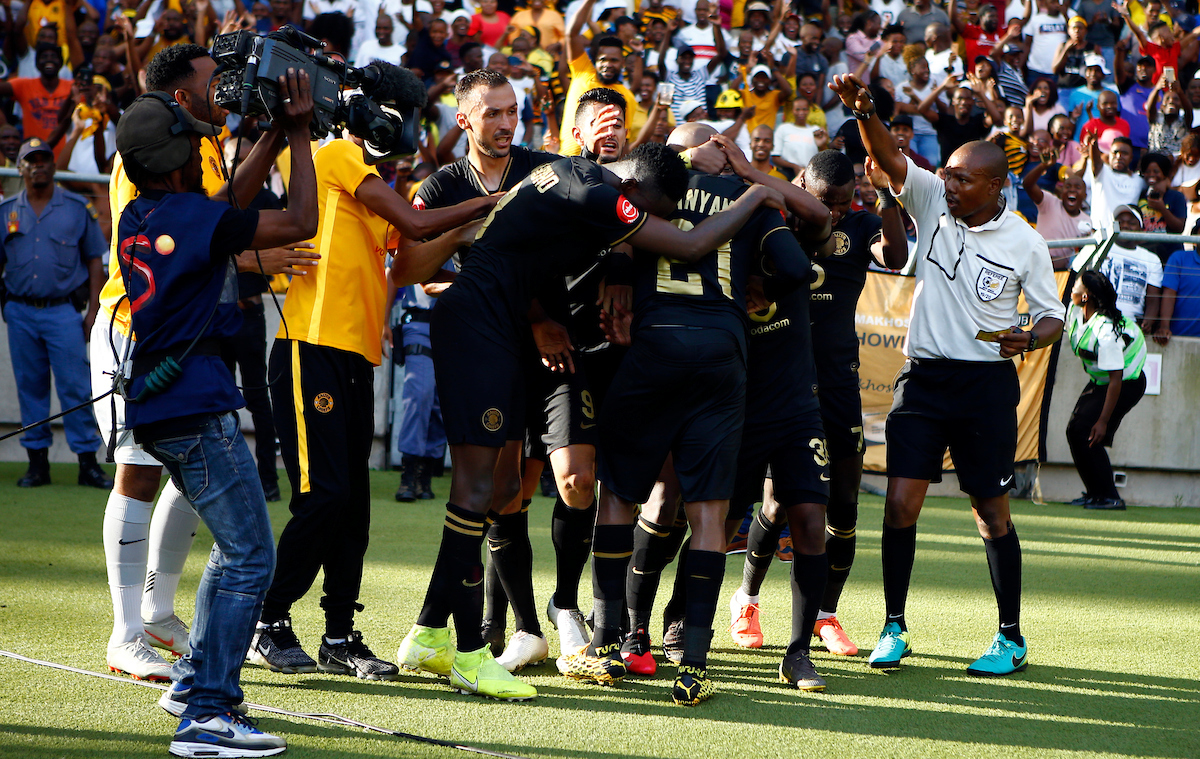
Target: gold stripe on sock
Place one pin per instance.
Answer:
(605, 555)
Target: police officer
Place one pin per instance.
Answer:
(51, 252)
(422, 438)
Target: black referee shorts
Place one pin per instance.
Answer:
(969, 407)
(481, 384)
(842, 420)
(679, 391)
(792, 453)
(559, 410)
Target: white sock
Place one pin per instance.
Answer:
(126, 531)
(334, 641)
(171, 532)
(825, 615)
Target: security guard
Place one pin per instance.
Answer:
(52, 250)
(422, 438)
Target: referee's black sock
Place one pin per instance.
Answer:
(645, 570)
(761, 545)
(1004, 563)
(571, 533)
(809, 575)
(705, 571)
(611, 548)
(495, 601)
(899, 548)
(840, 542)
(514, 563)
(456, 585)
(677, 606)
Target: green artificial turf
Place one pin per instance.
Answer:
(1110, 609)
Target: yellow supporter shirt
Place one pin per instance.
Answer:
(340, 303)
(583, 78)
(766, 107)
(120, 192)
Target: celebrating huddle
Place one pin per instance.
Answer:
(681, 338)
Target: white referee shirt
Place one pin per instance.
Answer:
(969, 278)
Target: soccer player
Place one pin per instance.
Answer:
(959, 388)
(586, 74)
(680, 391)
(581, 209)
(860, 238)
(144, 554)
(322, 370)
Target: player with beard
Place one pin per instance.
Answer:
(605, 71)
(860, 238)
(581, 210)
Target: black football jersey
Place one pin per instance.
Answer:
(711, 292)
(837, 281)
(781, 375)
(557, 221)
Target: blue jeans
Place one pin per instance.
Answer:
(45, 339)
(214, 469)
(927, 146)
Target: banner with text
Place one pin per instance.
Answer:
(882, 327)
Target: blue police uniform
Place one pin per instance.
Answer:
(421, 431)
(45, 258)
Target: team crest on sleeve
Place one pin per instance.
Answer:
(990, 284)
(626, 211)
(843, 243)
(323, 403)
(492, 419)
(419, 203)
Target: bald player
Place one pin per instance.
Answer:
(959, 388)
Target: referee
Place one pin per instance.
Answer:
(959, 389)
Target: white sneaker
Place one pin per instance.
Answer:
(174, 701)
(524, 648)
(169, 634)
(572, 630)
(138, 660)
(224, 735)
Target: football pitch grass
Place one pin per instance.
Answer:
(1111, 610)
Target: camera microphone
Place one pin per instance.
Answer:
(250, 79)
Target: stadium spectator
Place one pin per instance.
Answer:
(1134, 272)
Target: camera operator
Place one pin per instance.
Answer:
(176, 256)
(322, 370)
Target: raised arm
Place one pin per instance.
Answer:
(422, 261)
(892, 249)
(1030, 182)
(1138, 32)
(1152, 101)
(299, 221)
(575, 43)
(810, 211)
(880, 144)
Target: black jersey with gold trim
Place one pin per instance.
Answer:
(837, 281)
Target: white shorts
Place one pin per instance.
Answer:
(104, 365)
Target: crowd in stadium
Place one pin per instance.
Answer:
(661, 373)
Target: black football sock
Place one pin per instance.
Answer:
(899, 548)
(705, 571)
(456, 583)
(495, 601)
(645, 570)
(761, 545)
(839, 547)
(677, 606)
(809, 575)
(514, 563)
(1004, 563)
(571, 533)
(611, 548)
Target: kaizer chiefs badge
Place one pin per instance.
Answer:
(843, 243)
(323, 403)
(492, 419)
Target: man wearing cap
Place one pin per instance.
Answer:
(176, 255)
(51, 259)
(687, 83)
(1095, 70)
(732, 116)
(1136, 274)
(1134, 95)
(1104, 27)
(1069, 61)
(901, 128)
(975, 258)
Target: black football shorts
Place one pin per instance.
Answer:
(481, 384)
(680, 391)
(560, 410)
(969, 407)
(842, 420)
(792, 453)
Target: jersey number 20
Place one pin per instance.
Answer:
(694, 284)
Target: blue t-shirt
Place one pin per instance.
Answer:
(1182, 274)
(177, 262)
(1133, 110)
